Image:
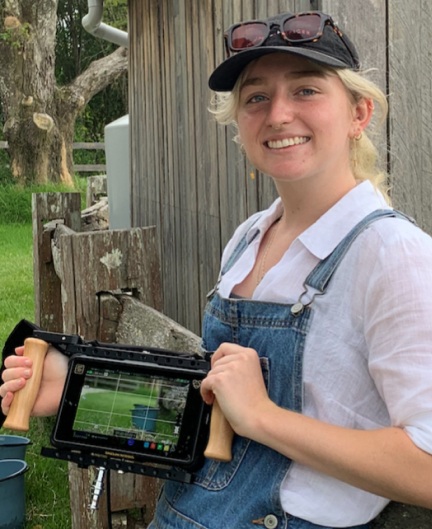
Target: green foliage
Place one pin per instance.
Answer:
(75, 50)
(102, 109)
(16, 36)
(5, 172)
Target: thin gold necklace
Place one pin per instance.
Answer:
(262, 265)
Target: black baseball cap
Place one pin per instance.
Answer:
(331, 48)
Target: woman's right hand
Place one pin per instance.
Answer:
(18, 369)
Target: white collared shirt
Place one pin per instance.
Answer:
(368, 354)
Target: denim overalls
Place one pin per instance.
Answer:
(244, 493)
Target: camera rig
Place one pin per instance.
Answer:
(122, 449)
(171, 445)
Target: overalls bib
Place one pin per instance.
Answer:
(245, 493)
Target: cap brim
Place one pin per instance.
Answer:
(225, 76)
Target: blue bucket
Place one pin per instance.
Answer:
(12, 494)
(144, 418)
(13, 447)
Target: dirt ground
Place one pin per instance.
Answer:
(400, 516)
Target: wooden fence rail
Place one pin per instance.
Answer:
(80, 168)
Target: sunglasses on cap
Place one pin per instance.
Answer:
(293, 29)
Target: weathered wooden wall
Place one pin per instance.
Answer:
(189, 178)
(391, 36)
(410, 87)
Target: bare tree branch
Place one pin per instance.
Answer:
(99, 75)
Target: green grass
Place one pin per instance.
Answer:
(15, 201)
(97, 408)
(16, 279)
(47, 490)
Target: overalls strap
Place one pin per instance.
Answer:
(236, 253)
(320, 276)
(241, 246)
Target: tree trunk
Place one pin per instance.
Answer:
(39, 116)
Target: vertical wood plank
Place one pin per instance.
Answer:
(66, 208)
(187, 162)
(66, 274)
(370, 38)
(232, 204)
(205, 20)
(371, 43)
(410, 86)
(167, 223)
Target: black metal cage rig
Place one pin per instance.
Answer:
(72, 345)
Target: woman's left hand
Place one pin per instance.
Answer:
(380, 460)
(236, 381)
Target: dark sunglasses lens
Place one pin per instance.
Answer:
(303, 27)
(248, 36)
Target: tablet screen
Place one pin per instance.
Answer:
(140, 410)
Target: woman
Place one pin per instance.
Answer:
(320, 317)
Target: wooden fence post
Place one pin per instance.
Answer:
(62, 208)
(92, 263)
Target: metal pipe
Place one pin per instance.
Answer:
(97, 488)
(92, 22)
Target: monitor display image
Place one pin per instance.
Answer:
(145, 411)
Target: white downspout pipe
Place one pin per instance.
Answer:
(92, 22)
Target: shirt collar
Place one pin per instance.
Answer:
(261, 222)
(326, 233)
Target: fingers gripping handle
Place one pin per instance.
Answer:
(221, 436)
(18, 417)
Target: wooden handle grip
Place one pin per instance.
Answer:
(221, 436)
(18, 417)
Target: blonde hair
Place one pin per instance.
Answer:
(363, 153)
